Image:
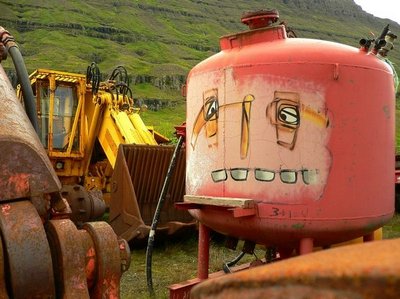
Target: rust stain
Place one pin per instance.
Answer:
(90, 262)
(111, 286)
(122, 246)
(77, 282)
(19, 183)
(5, 209)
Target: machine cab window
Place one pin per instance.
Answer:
(56, 115)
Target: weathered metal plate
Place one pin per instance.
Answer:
(25, 169)
(137, 180)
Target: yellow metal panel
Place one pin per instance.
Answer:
(128, 131)
(142, 129)
(109, 137)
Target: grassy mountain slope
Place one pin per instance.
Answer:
(158, 38)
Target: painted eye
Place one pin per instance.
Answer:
(289, 115)
(239, 174)
(264, 175)
(212, 108)
(310, 176)
(288, 176)
(219, 175)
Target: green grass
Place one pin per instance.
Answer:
(392, 229)
(173, 262)
(147, 90)
(164, 120)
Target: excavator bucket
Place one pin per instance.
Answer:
(137, 181)
(25, 168)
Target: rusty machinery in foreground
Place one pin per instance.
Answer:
(42, 253)
(289, 145)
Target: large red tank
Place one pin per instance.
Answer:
(290, 140)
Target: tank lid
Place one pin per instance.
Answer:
(262, 29)
(260, 18)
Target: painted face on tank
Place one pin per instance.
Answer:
(266, 144)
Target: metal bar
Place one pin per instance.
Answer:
(306, 246)
(77, 117)
(203, 252)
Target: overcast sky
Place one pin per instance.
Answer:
(389, 9)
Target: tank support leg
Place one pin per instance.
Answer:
(369, 237)
(306, 246)
(203, 252)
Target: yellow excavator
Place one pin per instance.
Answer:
(104, 154)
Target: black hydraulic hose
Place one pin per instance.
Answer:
(122, 74)
(27, 92)
(93, 76)
(226, 266)
(156, 218)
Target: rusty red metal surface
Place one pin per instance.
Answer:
(182, 289)
(279, 121)
(90, 258)
(24, 167)
(25, 247)
(108, 260)
(68, 259)
(368, 270)
(87, 262)
(203, 252)
(137, 180)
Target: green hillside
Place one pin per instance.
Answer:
(160, 41)
(158, 38)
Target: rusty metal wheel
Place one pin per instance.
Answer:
(68, 259)
(28, 264)
(108, 260)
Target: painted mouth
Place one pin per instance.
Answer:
(286, 176)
